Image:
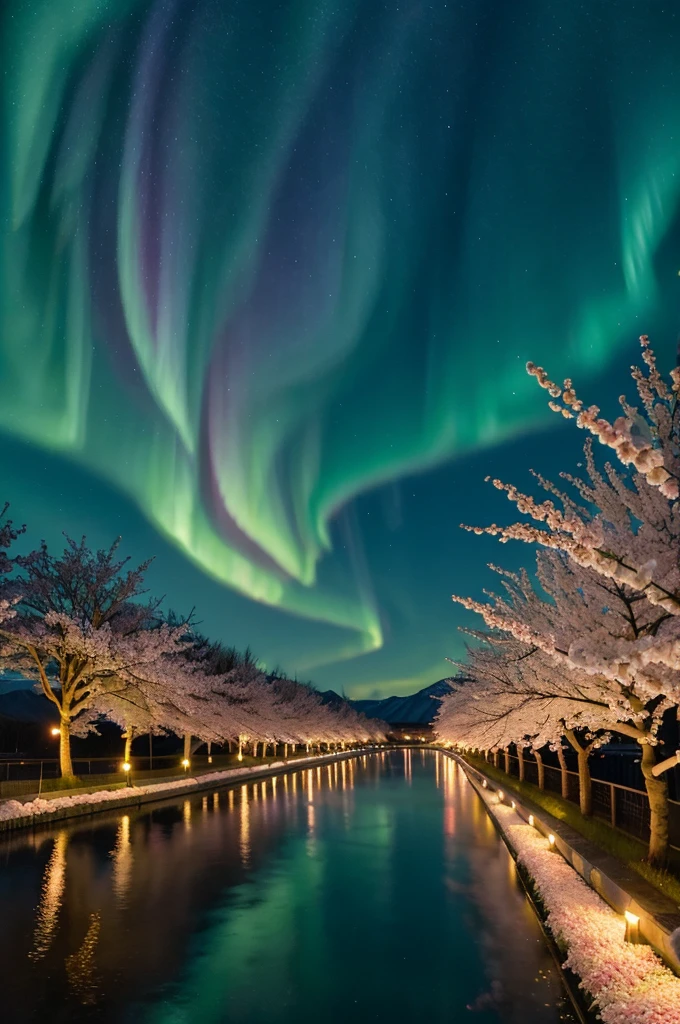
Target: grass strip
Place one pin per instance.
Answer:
(628, 849)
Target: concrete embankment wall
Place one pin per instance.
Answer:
(132, 797)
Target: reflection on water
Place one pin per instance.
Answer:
(50, 898)
(374, 889)
(122, 861)
(80, 966)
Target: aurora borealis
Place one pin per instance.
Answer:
(270, 273)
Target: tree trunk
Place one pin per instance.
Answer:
(564, 778)
(255, 746)
(520, 757)
(585, 789)
(496, 758)
(229, 746)
(65, 763)
(127, 735)
(541, 769)
(506, 757)
(187, 746)
(285, 751)
(657, 794)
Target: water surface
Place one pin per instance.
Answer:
(372, 890)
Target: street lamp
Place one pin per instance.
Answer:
(55, 730)
(185, 764)
(632, 927)
(127, 767)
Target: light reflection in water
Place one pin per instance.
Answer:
(186, 815)
(122, 861)
(50, 898)
(80, 966)
(408, 771)
(311, 816)
(245, 828)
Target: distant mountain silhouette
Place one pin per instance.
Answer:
(27, 706)
(417, 709)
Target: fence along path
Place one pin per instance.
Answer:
(624, 807)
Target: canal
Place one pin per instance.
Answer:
(373, 889)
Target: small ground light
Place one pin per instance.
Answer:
(500, 795)
(551, 840)
(632, 927)
(55, 731)
(513, 805)
(126, 768)
(209, 758)
(484, 783)
(531, 819)
(185, 763)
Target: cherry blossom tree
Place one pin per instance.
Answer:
(626, 527)
(585, 611)
(81, 631)
(621, 533)
(8, 534)
(514, 693)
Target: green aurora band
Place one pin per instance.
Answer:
(261, 260)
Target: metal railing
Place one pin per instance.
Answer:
(22, 777)
(623, 807)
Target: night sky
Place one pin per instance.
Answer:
(270, 273)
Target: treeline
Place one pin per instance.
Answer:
(82, 625)
(589, 645)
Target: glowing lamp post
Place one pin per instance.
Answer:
(632, 927)
(501, 794)
(55, 730)
(531, 819)
(127, 768)
(551, 841)
(185, 764)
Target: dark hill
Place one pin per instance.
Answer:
(27, 706)
(417, 709)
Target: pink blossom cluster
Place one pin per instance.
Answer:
(642, 450)
(628, 983)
